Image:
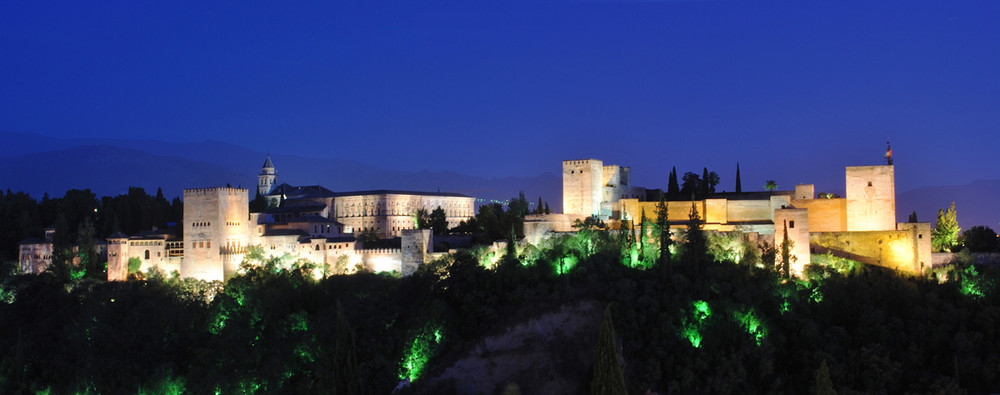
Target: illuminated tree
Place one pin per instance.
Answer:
(421, 219)
(609, 377)
(642, 236)
(945, 233)
(770, 185)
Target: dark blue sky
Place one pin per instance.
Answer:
(792, 90)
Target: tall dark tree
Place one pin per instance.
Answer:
(438, 221)
(642, 235)
(690, 184)
(980, 239)
(538, 208)
(739, 185)
(824, 386)
(786, 253)
(696, 248)
(704, 186)
(663, 233)
(672, 188)
(609, 377)
(912, 218)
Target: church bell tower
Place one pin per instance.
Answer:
(266, 179)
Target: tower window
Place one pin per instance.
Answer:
(791, 224)
(869, 183)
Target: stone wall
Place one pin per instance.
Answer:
(797, 220)
(825, 215)
(894, 249)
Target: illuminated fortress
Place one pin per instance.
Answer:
(304, 222)
(860, 226)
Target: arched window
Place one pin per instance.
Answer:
(147, 254)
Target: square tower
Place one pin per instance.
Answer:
(582, 186)
(216, 232)
(871, 198)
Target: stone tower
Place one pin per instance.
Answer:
(871, 198)
(216, 232)
(582, 187)
(117, 257)
(267, 178)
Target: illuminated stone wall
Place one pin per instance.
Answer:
(582, 187)
(797, 220)
(825, 215)
(871, 198)
(805, 191)
(921, 232)
(894, 249)
(216, 232)
(392, 213)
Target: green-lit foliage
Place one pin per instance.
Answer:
(692, 326)
(752, 323)
(944, 236)
(423, 346)
(973, 284)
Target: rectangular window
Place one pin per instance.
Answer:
(791, 224)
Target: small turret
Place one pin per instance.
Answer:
(267, 178)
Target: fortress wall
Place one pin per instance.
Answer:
(382, 260)
(825, 215)
(805, 191)
(921, 232)
(894, 249)
(871, 198)
(716, 211)
(749, 210)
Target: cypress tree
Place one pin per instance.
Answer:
(695, 249)
(663, 225)
(824, 386)
(642, 236)
(703, 185)
(609, 378)
(786, 253)
(672, 187)
(739, 186)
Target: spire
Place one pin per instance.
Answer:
(267, 162)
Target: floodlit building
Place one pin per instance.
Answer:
(860, 226)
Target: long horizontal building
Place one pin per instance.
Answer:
(861, 226)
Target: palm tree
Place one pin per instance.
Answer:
(770, 185)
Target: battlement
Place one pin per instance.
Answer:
(214, 190)
(381, 251)
(579, 162)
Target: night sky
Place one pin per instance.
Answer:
(794, 91)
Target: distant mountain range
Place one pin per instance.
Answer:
(39, 164)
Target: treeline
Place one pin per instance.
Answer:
(80, 211)
(690, 322)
